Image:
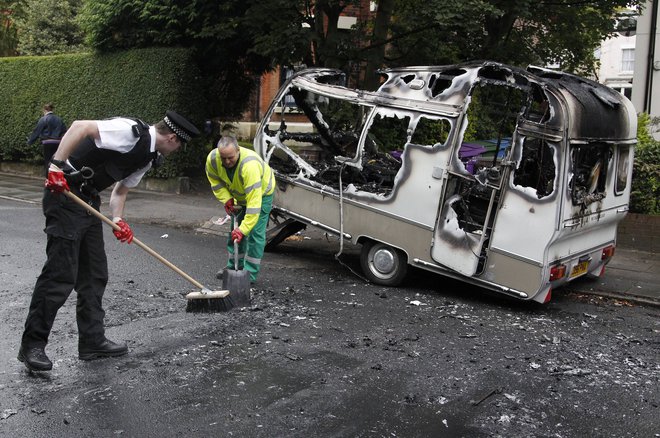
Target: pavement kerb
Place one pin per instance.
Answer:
(615, 296)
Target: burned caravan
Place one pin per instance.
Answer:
(510, 179)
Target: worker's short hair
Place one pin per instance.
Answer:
(162, 128)
(226, 141)
(49, 106)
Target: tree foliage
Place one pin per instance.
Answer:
(8, 31)
(565, 33)
(48, 27)
(214, 30)
(302, 31)
(645, 194)
(235, 41)
(112, 25)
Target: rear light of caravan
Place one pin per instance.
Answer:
(557, 272)
(608, 252)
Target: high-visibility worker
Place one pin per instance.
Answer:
(240, 177)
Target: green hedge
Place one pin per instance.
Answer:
(645, 195)
(141, 83)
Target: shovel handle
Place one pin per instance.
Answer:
(235, 216)
(114, 226)
(235, 255)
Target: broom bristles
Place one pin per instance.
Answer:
(209, 302)
(210, 305)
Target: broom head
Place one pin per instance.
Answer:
(209, 301)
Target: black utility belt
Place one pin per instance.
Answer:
(82, 181)
(77, 177)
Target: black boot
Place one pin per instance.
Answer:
(35, 358)
(106, 348)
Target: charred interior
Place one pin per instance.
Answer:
(537, 167)
(332, 136)
(590, 163)
(622, 166)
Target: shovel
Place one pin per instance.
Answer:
(237, 281)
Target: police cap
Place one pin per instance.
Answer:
(180, 126)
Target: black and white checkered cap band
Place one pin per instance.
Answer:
(178, 131)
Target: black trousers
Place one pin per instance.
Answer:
(49, 150)
(76, 259)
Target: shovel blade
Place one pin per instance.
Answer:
(238, 285)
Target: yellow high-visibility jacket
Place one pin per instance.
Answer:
(252, 179)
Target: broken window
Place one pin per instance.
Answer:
(537, 167)
(430, 132)
(383, 147)
(471, 204)
(319, 129)
(539, 108)
(438, 83)
(492, 117)
(321, 141)
(622, 170)
(388, 132)
(590, 163)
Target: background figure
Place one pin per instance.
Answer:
(50, 128)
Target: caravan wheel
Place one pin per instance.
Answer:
(383, 264)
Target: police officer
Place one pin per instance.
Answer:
(239, 177)
(50, 128)
(121, 151)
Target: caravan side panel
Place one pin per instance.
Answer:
(311, 206)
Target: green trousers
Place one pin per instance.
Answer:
(251, 248)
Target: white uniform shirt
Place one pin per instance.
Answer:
(117, 135)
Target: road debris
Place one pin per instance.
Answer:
(8, 413)
(484, 397)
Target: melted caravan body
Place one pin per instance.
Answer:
(511, 179)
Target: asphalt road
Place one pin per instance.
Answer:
(320, 353)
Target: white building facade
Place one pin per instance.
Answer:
(617, 63)
(646, 79)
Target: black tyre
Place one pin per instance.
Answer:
(383, 264)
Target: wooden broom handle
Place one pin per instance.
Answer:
(116, 227)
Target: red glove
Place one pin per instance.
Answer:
(229, 206)
(56, 181)
(125, 234)
(237, 235)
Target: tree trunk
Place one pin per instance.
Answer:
(326, 22)
(376, 53)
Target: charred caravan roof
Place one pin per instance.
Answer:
(586, 109)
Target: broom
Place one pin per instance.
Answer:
(205, 300)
